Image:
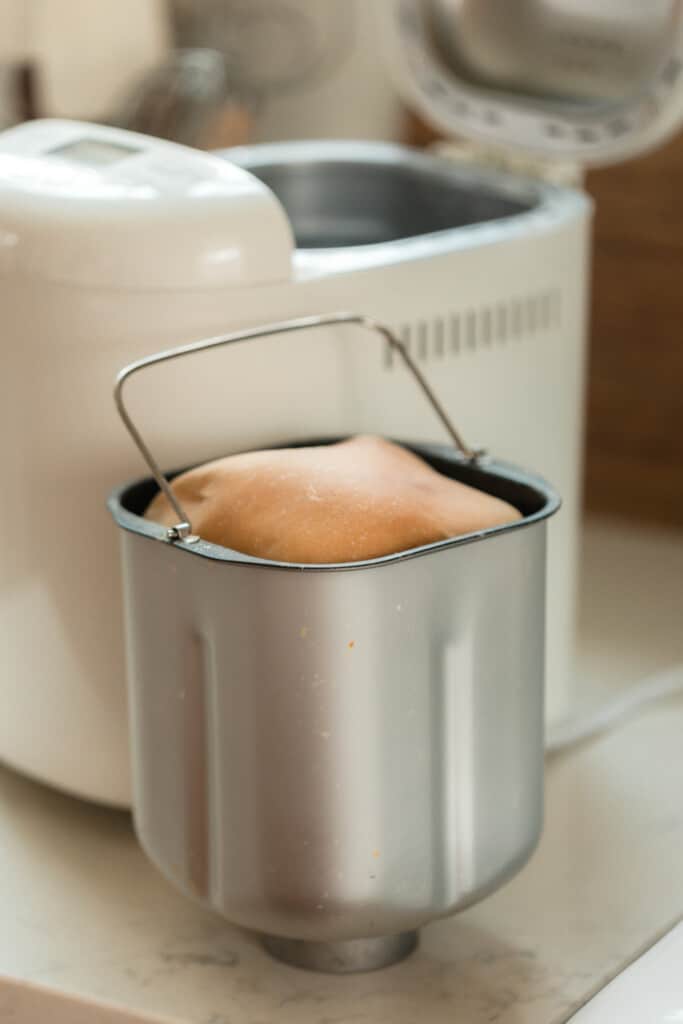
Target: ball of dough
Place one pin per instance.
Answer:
(343, 502)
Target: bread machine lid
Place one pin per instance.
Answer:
(566, 79)
(92, 206)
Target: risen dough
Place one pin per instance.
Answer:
(344, 502)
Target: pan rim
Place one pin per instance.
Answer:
(485, 468)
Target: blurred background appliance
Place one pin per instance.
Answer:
(293, 69)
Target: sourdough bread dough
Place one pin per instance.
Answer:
(344, 502)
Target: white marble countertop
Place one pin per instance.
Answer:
(82, 910)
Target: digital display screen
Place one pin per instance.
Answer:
(93, 152)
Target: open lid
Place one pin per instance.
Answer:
(565, 79)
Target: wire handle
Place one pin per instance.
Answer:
(183, 528)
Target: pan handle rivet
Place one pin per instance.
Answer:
(181, 531)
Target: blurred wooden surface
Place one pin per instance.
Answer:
(634, 463)
(634, 436)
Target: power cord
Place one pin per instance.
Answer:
(613, 712)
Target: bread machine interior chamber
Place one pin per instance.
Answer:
(344, 195)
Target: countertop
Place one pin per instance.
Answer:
(83, 910)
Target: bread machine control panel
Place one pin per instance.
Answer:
(94, 205)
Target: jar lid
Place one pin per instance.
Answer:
(563, 79)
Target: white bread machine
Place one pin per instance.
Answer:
(113, 246)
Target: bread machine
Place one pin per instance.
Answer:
(113, 246)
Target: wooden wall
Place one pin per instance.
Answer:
(634, 463)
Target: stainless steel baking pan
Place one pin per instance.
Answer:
(335, 755)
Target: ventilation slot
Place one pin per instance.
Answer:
(423, 341)
(439, 338)
(471, 330)
(452, 334)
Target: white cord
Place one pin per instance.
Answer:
(612, 712)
